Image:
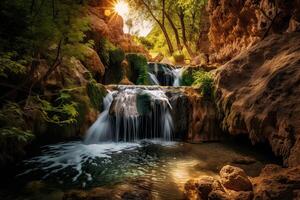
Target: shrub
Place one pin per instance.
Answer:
(201, 79)
(139, 66)
(205, 81)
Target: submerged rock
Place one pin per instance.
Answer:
(128, 191)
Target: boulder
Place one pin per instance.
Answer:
(201, 187)
(93, 63)
(234, 178)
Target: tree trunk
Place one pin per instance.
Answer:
(162, 27)
(185, 41)
(179, 46)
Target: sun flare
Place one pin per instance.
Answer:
(121, 8)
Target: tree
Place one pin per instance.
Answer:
(156, 10)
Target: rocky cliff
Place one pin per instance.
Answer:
(236, 25)
(258, 95)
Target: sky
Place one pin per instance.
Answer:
(141, 27)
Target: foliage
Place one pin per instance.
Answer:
(143, 103)
(145, 42)
(105, 46)
(62, 111)
(116, 56)
(14, 135)
(187, 78)
(200, 78)
(10, 64)
(205, 81)
(96, 93)
(34, 30)
(138, 63)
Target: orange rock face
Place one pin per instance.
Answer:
(258, 94)
(236, 24)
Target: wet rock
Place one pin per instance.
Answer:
(277, 183)
(201, 187)
(235, 178)
(203, 122)
(125, 191)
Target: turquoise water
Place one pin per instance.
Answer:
(159, 167)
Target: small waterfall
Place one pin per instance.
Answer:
(153, 79)
(164, 74)
(177, 73)
(133, 113)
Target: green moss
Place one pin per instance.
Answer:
(187, 78)
(204, 80)
(105, 46)
(143, 103)
(116, 56)
(200, 78)
(96, 93)
(138, 65)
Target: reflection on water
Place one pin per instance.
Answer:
(160, 167)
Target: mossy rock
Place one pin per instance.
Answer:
(143, 103)
(96, 92)
(187, 78)
(139, 68)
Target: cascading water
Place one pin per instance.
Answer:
(164, 74)
(177, 74)
(133, 113)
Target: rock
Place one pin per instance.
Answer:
(257, 94)
(243, 160)
(241, 195)
(125, 191)
(93, 63)
(201, 187)
(236, 25)
(105, 23)
(235, 178)
(218, 195)
(277, 183)
(203, 122)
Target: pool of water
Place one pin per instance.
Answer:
(161, 168)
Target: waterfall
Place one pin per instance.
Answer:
(133, 113)
(164, 74)
(153, 79)
(177, 73)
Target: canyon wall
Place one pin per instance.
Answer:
(238, 24)
(258, 92)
